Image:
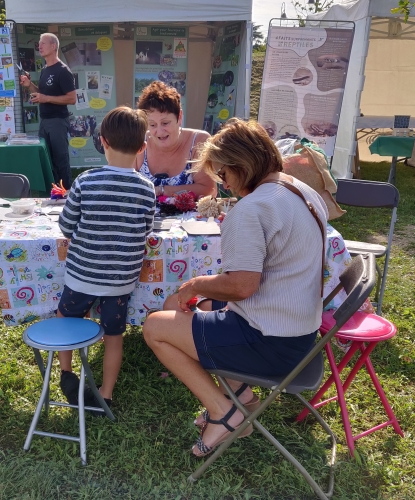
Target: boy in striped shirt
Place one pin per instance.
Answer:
(107, 216)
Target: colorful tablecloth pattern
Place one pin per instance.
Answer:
(32, 267)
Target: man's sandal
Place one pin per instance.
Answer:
(251, 405)
(206, 450)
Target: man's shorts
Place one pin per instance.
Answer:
(226, 341)
(113, 309)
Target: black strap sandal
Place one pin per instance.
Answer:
(241, 389)
(204, 449)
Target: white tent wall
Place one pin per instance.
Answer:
(98, 11)
(202, 18)
(380, 74)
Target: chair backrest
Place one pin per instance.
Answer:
(14, 186)
(358, 280)
(370, 194)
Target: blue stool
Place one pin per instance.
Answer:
(64, 334)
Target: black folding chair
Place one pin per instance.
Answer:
(358, 280)
(371, 194)
(14, 186)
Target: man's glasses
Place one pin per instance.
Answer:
(223, 175)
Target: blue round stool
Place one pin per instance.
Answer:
(64, 334)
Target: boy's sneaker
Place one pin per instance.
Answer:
(91, 400)
(70, 386)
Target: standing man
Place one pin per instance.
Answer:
(56, 90)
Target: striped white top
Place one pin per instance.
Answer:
(107, 216)
(271, 231)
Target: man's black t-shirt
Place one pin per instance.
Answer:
(55, 80)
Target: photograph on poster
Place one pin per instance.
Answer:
(168, 60)
(148, 52)
(82, 54)
(82, 126)
(217, 126)
(6, 61)
(207, 123)
(5, 40)
(228, 78)
(144, 79)
(92, 80)
(82, 101)
(230, 97)
(288, 132)
(31, 115)
(212, 100)
(105, 87)
(302, 76)
(27, 59)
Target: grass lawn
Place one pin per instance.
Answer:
(146, 453)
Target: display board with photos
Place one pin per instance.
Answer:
(303, 82)
(161, 54)
(88, 50)
(7, 83)
(224, 78)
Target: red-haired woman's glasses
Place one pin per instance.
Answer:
(222, 176)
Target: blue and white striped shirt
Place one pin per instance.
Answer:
(107, 216)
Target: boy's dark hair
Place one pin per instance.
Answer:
(124, 129)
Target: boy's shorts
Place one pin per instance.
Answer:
(113, 309)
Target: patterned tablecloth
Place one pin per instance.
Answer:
(32, 266)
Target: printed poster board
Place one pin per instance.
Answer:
(161, 54)
(7, 83)
(88, 51)
(224, 78)
(303, 83)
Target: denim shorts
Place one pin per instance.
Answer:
(113, 309)
(225, 341)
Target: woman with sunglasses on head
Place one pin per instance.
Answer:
(167, 161)
(272, 251)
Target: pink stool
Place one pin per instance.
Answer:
(361, 329)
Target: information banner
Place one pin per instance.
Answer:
(89, 53)
(303, 83)
(161, 54)
(224, 78)
(7, 83)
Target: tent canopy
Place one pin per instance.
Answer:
(381, 70)
(96, 11)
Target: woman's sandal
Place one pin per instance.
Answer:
(251, 405)
(203, 448)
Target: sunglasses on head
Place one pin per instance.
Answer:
(223, 175)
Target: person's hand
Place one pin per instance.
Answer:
(221, 216)
(185, 293)
(38, 98)
(25, 81)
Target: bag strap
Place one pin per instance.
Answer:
(313, 212)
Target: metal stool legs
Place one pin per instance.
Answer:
(44, 401)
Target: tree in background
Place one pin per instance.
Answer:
(257, 37)
(404, 7)
(2, 11)
(305, 7)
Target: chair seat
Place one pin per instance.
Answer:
(56, 332)
(360, 247)
(361, 326)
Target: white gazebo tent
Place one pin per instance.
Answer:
(203, 20)
(381, 72)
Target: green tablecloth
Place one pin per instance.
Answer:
(31, 160)
(388, 145)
